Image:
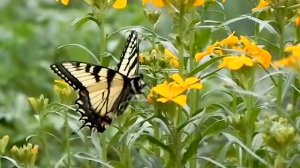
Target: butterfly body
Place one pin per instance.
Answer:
(103, 92)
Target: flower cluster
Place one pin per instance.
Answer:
(174, 91)
(38, 105)
(158, 60)
(239, 52)
(119, 4)
(278, 134)
(292, 61)
(25, 155)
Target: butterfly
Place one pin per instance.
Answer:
(102, 91)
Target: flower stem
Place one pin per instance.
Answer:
(67, 142)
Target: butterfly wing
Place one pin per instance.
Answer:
(129, 65)
(101, 90)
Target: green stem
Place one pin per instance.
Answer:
(87, 164)
(67, 142)
(103, 152)
(102, 46)
(193, 94)
(181, 40)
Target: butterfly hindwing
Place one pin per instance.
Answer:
(99, 89)
(129, 59)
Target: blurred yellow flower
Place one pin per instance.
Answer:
(198, 2)
(170, 92)
(236, 62)
(64, 2)
(171, 58)
(120, 4)
(297, 21)
(189, 83)
(25, 155)
(292, 61)
(65, 92)
(156, 3)
(261, 5)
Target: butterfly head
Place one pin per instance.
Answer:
(137, 84)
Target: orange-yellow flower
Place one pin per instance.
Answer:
(231, 40)
(297, 21)
(198, 2)
(236, 62)
(189, 83)
(156, 3)
(171, 58)
(64, 2)
(120, 4)
(262, 4)
(260, 55)
(292, 61)
(170, 92)
(209, 51)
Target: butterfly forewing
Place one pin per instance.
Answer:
(103, 91)
(129, 59)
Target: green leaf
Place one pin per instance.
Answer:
(11, 160)
(212, 161)
(205, 65)
(191, 150)
(158, 143)
(88, 156)
(240, 143)
(216, 127)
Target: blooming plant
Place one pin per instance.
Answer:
(222, 88)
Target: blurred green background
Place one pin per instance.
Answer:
(31, 32)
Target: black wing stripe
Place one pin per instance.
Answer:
(128, 63)
(61, 71)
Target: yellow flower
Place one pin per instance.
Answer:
(293, 61)
(209, 51)
(189, 83)
(156, 3)
(297, 21)
(120, 4)
(170, 92)
(171, 58)
(25, 155)
(236, 62)
(231, 40)
(260, 55)
(262, 4)
(198, 2)
(64, 2)
(64, 91)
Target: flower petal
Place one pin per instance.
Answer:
(158, 3)
(163, 100)
(198, 3)
(181, 100)
(162, 89)
(177, 78)
(191, 80)
(196, 86)
(120, 4)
